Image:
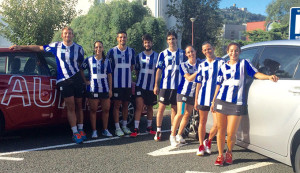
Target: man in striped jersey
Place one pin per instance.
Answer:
(168, 70)
(69, 56)
(122, 61)
(145, 70)
(207, 81)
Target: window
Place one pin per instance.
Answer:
(281, 61)
(144, 2)
(249, 54)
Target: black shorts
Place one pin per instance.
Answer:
(93, 95)
(230, 108)
(122, 94)
(167, 96)
(185, 99)
(149, 97)
(204, 108)
(72, 87)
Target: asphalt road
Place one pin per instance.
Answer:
(50, 149)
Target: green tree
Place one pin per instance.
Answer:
(104, 21)
(279, 10)
(34, 21)
(207, 25)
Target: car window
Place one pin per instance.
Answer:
(51, 62)
(297, 74)
(249, 53)
(281, 61)
(19, 63)
(3, 64)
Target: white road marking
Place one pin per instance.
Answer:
(11, 158)
(242, 169)
(167, 151)
(246, 168)
(66, 145)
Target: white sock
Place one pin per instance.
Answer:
(149, 123)
(74, 129)
(94, 131)
(158, 129)
(117, 125)
(136, 124)
(80, 126)
(124, 123)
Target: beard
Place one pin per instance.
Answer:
(148, 49)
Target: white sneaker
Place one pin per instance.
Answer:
(126, 130)
(207, 146)
(173, 141)
(180, 139)
(94, 134)
(119, 132)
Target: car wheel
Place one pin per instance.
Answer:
(297, 159)
(191, 129)
(131, 110)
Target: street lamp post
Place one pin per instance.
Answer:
(192, 20)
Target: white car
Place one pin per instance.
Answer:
(272, 126)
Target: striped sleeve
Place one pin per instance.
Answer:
(250, 69)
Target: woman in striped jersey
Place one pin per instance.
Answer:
(229, 100)
(185, 95)
(99, 86)
(206, 84)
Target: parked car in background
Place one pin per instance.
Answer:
(272, 126)
(28, 94)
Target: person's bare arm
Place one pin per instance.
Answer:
(35, 48)
(157, 77)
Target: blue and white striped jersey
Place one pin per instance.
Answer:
(169, 63)
(207, 76)
(232, 80)
(185, 87)
(68, 59)
(98, 71)
(145, 64)
(121, 62)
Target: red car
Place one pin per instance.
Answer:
(28, 91)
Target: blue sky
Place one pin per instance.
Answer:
(253, 6)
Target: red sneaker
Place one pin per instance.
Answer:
(228, 157)
(135, 133)
(219, 161)
(150, 131)
(200, 151)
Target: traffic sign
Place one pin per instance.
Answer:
(294, 23)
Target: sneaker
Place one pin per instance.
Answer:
(219, 161)
(200, 151)
(207, 146)
(173, 141)
(94, 135)
(82, 133)
(77, 138)
(180, 139)
(150, 131)
(135, 133)
(119, 132)
(106, 133)
(228, 158)
(157, 136)
(126, 130)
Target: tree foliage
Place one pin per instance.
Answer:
(279, 10)
(206, 26)
(34, 21)
(104, 21)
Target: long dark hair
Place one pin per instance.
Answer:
(103, 54)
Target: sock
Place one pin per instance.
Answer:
(80, 126)
(149, 123)
(117, 125)
(159, 129)
(172, 128)
(94, 131)
(124, 123)
(136, 124)
(74, 129)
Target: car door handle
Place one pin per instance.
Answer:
(295, 89)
